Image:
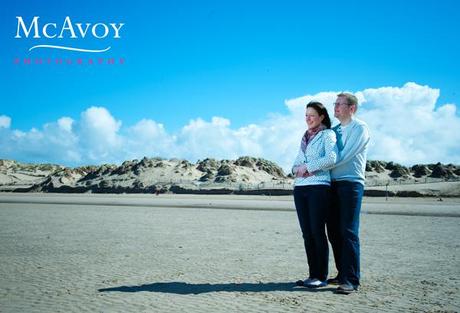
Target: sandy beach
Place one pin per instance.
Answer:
(176, 253)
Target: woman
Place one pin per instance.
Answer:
(311, 192)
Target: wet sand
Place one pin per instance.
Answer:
(143, 253)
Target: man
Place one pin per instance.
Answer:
(347, 188)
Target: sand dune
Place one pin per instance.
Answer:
(245, 175)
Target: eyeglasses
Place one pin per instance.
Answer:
(337, 104)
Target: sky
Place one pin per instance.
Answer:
(224, 79)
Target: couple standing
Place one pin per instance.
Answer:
(329, 186)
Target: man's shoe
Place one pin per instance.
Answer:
(315, 283)
(333, 281)
(346, 289)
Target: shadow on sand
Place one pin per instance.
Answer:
(183, 288)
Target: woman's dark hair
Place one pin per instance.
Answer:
(319, 107)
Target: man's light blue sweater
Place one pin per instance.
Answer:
(352, 143)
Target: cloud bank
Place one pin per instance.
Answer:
(406, 124)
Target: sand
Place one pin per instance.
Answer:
(443, 189)
(142, 253)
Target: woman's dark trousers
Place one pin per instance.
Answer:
(312, 205)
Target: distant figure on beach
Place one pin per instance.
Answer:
(347, 190)
(311, 192)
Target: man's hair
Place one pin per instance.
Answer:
(351, 99)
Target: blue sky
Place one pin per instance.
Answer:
(237, 60)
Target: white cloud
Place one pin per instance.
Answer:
(99, 137)
(148, 138)
(53, 144)
(200, 139)
(406, 125)
(5, 121)
(65, 123)
(100, 125)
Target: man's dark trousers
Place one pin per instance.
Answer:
(343, 229)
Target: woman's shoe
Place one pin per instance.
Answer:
(303, 283)
(315, 283)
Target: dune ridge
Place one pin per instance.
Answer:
(245, 175)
